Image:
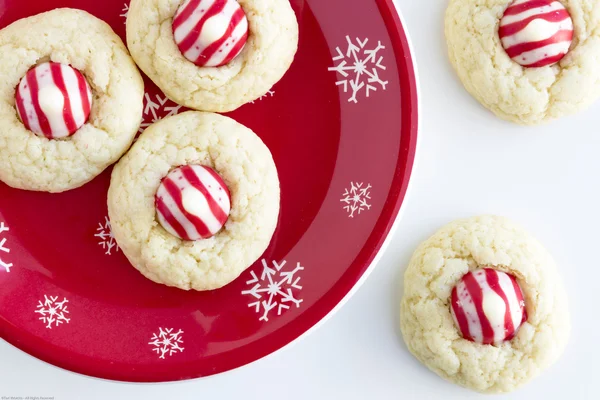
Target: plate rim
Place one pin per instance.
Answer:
(395, 25)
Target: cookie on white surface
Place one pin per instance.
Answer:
(534, 307)
(167, 41)
(138, 204)
(527, 61)
(44, 60)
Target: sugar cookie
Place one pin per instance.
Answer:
(486, 47)
(43, 146)
(484, 280)
(245, 166)
(182, 45)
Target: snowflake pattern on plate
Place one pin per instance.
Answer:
(3, 249)
(106, 239)
(270, 93)
(273, 289)
(156, 110)
(52, 311)
(359, 68)
(356, 198)
(124, 12)
(165, 342)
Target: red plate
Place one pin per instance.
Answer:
(342, 126)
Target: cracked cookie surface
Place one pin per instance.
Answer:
(246, 166)
(523, 95)
(426, 321)
(81, 40)
(268, 54)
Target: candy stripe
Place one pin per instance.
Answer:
(168, 218)
(53, 100)
(459, 315)
(194, 35)
(520, 299)
(516, 27)
(217, 178)
(546, 61)
(487, 306)
(516, 308)
(470, 311)
(509, 19)
(522, 6)
(59, 81)
(194, 222)
(55, 117)
(184, 21)
(493, 281)
(494, 308)
(193, 178)
(214, 48)
(24, 96)
(476, 293)
(214, 29)
(241, 33)
(237, 48)
(193, 202)
(210, 32)
(74, 93)
(536, 33)
(85, 94)
(32, 80)
(23, 114)
(189, 230)
(520, 48)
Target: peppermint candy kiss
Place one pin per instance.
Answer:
(210, 33)
(53, 100)
(536, 33)
(488, 306)
(193, 202)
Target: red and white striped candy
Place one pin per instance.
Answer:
(53, 100)
(536, 33)
(210, 33)
(193, 202)
(488, 306)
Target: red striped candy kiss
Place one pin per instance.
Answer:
(488, 306)
(53, 100)
(210, 33)
(536, 33)
(193, 202)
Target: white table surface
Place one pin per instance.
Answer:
(469, 163)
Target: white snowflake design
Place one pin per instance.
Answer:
(53, 311)
(270, 93)
(356, 199)
(156, 110)
(273, 289)
(105, 236)
(124, 12)
(166, 342)
(3, 248)
(358, 68)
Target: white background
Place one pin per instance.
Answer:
(469, 163)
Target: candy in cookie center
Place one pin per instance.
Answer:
(193, 202)
(210, 33)
(488, 306)
(53, 100)
(536, 33)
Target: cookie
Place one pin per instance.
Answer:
(484, 306)
(199, 67)
(186, 256)
(71, 100)
(527, 61)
